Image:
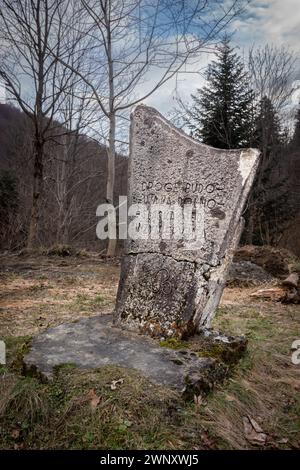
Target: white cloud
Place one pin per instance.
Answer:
(269, 21)
(2, 93)
(295, 98)
(185, 84)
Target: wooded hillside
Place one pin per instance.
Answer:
(75, 175)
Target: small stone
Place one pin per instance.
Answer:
(227, 348)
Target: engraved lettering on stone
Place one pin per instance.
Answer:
(162, 282)
(185, 277)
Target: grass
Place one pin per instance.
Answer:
(266, 382)
(86, 302)
(38, 292)
(295, 266)
(16, 348)
(139, 415)
(61, 414)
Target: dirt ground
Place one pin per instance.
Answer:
(38, 292)
(259, 406)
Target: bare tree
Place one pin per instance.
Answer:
(33, 78)
(135, 47)
(16, 161)
(70, 168)
(76, 116)
(272, 71)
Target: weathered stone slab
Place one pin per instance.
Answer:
(245, 274)
(171, 287)
(94, 342)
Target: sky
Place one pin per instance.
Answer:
(264, 21)
(2, 93)
(271, 21)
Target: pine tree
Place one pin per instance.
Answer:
(296, 136)
(269, 203)
(268, 136)
(222, 112)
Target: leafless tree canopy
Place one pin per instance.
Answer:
(75, 68)
(272, 70)
(133, 47)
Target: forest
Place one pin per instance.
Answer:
(65, 152)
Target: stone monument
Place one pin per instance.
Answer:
(173, 273)
(171, 287)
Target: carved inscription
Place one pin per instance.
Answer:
(211, 195)
(161, 282)
(187, 200)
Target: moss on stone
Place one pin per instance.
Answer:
(173, 343)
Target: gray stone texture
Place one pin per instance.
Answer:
(93, 342)
(171, 288)
(246, 274)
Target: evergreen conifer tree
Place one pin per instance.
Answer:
(222, 112)
(268, 208)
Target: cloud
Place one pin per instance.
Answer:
(270, 21)
(295, 98)
(181, 86)
(2, 93)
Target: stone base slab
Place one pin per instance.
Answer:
(94, 342)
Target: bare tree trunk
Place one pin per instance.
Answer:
(111, 152)
(63, 232)
(62, 228)
(36, 195)
(29, 29)
(111, 157)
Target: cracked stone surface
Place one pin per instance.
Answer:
(171, 287)
(94, 342)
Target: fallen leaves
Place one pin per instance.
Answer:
(253, 432)
(284, 440)
(15, 433)
(114, 383)
(93, 399)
